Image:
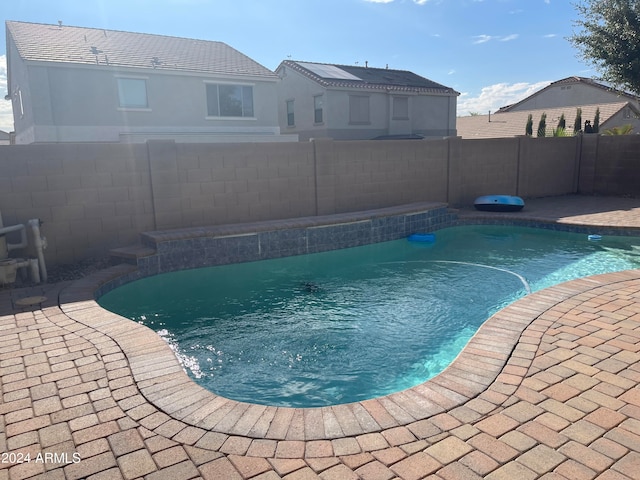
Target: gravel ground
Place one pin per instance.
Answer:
(74, 271)
(63, 273)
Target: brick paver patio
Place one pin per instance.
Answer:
(548, 388)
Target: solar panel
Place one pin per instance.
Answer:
(329, 71)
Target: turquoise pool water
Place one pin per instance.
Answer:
(358, 323)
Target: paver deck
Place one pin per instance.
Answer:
(547, 388)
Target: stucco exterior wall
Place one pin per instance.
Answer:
(561, 95)
(81, 103)
(93, 197)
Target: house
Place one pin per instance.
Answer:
(76, 84)
(513, 124)
(562, 97)
(343, 102)
(571, 91)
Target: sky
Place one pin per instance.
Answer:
(494, 52)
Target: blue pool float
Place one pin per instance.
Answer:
(499, 203)
(594, 238)
(422, 237)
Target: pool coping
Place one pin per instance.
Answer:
(507, 339)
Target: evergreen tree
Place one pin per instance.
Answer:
(596, 121)
(577, 125)
(562, 123)
(529, 128)
(542, 126)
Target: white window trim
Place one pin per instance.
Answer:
(133, 109)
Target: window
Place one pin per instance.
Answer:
(132, 92)
(290, 116)
(401, 108)
(229, 100)
(358, 109)
(317, 109)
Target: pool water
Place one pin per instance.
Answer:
(358, 323)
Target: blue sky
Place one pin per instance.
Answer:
(494, 52)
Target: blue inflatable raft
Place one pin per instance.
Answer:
(499, 203)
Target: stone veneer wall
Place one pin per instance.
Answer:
(201, 247)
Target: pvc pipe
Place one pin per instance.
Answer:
(34, 270)
(40, 244)
(23, 233)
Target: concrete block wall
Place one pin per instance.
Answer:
(617, 166)
(482, 167)
(200, 184)
(90, 198)
(93, 197)
(548, 167)
(364, 175)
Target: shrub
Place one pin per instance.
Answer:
(623, 130)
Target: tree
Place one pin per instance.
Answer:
(529, 127)
(596, 121)
(609, 39)
(562, 123)
(542, 126)
(577, 124)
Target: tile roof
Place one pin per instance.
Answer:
(511, 124)
(91, 46)
(349, 76)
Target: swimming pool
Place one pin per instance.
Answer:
(358, 323)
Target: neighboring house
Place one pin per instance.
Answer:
(318, 100)
(571, 91)
(562, 97)
(76, 84)
(512, 124)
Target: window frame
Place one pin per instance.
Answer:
(359, 109)
(290, 112)
(122, 94)
(318, 111)
(247, 104)
(395, 115)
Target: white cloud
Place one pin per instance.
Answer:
(379, 1)
(6, 113)
(550, 35)
(482, 38)
(493, 97)
(487, 38)
(508, 38)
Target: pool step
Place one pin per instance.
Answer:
(130, 254)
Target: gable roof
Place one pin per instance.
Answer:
(571, 81)
(348, 76)
(92, 46)
(512, 124)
